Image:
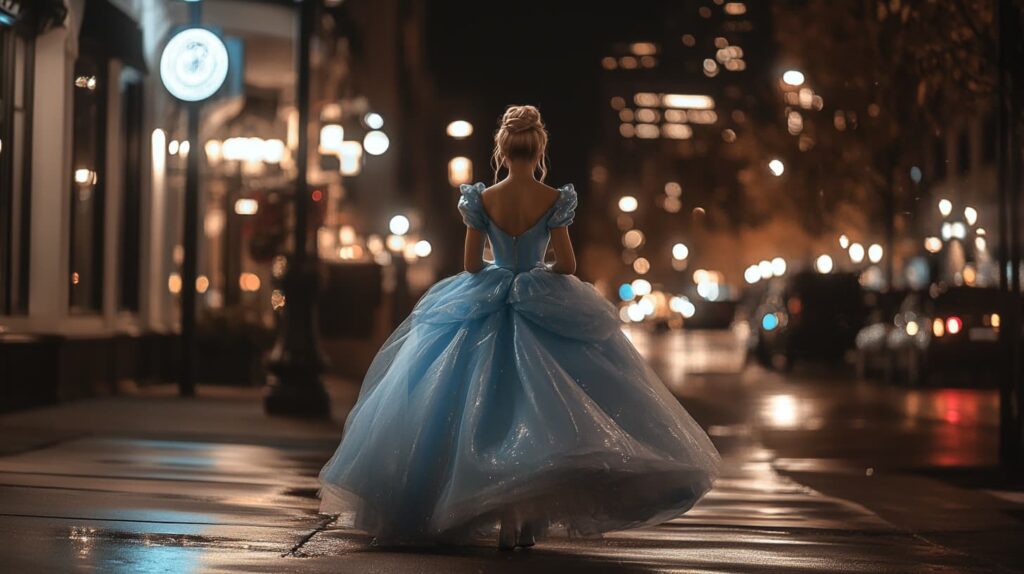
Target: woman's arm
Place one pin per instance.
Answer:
(565, 259)
(473, 257)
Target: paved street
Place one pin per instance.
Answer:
(152, 483)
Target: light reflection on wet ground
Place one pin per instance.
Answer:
(121, 503)
(818, 413)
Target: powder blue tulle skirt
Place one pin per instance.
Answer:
(511, 396)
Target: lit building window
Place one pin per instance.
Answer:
(246, 206)
(249, 282)
(735, 8)
(351, 155)
(460, 129)
(632, 239)
(460, 170)
(647, 131)
(647, 99)
(331, 136)
(644, 48)
(677, 131)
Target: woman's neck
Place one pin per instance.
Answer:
(521, 171)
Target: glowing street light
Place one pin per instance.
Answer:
(628, 204)
(945, 207)
(331, 138)
(423, 248)
(793, 78)
(686, 308)
(85, 176)
(970, 215)
(778, 267)
(676, 304)
(632, 239)
(688, 101)
(856, 252)
(376, 142)
(680, 251)
(875, 253)
(752, 274)
(635, 313)
(246, 206)
(373, 120)
(641, 265)
(460, 170)
(399, 225)
(460, 129)
(823, 264)
(641, 287)
(777, 167)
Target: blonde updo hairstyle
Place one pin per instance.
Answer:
(520, 135)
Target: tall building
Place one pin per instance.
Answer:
(681, 94)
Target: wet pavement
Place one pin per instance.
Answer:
(822, 473)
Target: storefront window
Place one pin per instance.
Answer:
(15, 161)
(87, 185)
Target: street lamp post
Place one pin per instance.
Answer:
(294, 385)
(193, 66)
(187, 386)
(1010, 105)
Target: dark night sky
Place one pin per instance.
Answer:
(486, 55)
(538, 52)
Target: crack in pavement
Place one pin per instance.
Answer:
(324, 523)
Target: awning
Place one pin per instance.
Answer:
(110, 33)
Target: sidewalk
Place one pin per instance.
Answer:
(153, 483)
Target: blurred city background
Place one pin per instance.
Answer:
(806, 211)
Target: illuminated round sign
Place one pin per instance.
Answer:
(194, 64)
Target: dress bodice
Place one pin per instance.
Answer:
(526, 250)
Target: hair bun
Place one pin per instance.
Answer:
(520, 119)
(520, 136)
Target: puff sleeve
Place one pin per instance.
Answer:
(565, 207)
(471, 206)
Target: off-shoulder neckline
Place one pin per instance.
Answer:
(480, 186)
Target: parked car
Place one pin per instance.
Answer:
(807, 316)
(872, 355)
(951, 332)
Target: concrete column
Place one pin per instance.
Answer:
(114, 190)
(51, 177)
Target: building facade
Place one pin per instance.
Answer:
(92, 161)
(680, 103)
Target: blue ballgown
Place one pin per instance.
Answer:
(512, 394)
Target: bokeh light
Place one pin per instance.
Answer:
(823, 264)
(399, 225)
(628, 204)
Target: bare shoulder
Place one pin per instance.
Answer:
(491, 193)
(534, 196)
(547, 191)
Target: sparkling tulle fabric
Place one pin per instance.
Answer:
(512, 395)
